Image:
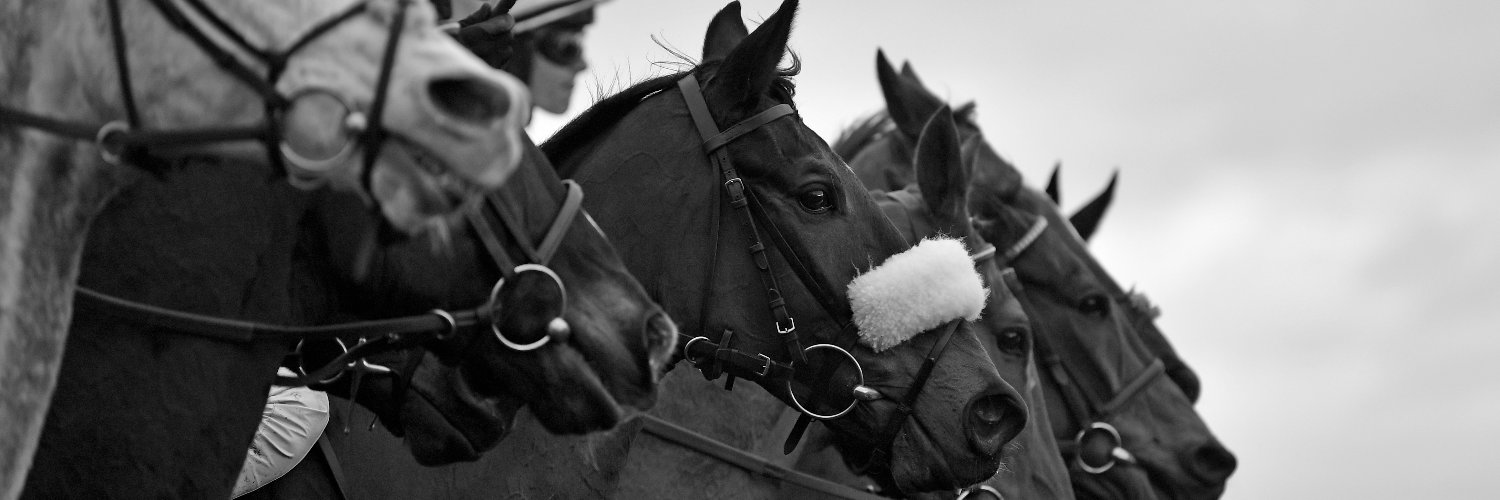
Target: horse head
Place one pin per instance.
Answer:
(363, 95)
(937, 204)
(1127, 430)
(1085, 221)
(570, 333)
(94, 94)
(750, 230)
(1071, 301)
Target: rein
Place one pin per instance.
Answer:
(1091, 414)
(128, 140)
(758, 465)
(376, 336)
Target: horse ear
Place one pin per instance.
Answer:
(908, 102)
(1086, 220)
(910, 74)
(750, 67)
(1052, 184)
(940, 173)
(724, 32)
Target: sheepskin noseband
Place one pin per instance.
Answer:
(915, 291)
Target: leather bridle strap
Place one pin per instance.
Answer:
(714, 143)
(906, 406)
(749, 462)
(117, 139)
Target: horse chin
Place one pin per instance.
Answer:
(1120, 483)
(919, 463)
(574, 400)
(417, 192)
(445, 422)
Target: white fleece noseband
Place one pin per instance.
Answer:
(915, 291)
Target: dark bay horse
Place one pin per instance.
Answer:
(616, 344)
(141, 408)
(676, 220)
(936, 204)
(1126, 431)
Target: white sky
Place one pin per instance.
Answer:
(1304, 191)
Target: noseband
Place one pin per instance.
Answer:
(1097, 446)
(127, 140)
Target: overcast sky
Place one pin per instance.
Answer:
(1307, 191)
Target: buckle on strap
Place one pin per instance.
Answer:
(736, 189)
(788, 329)
(765, 367)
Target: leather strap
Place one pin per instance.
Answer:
(339, 483)
(248, 331)
(749, 462)
(714, 143)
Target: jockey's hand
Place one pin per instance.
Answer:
(487, 33)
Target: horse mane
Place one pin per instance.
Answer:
(593, 122)
(863, 132)
(866, 131)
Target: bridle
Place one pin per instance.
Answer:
(128, 140)
(716, 358)
(1097, 446)
(385, 335)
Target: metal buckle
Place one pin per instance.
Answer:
(765, 366)
(788, 329)
(302, 362)
(736, 188)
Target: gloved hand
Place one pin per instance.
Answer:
(487, 33)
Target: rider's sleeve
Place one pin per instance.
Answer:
(293, 419)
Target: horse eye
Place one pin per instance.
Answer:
(1012, 341)
(1094, 305)
(815, 200)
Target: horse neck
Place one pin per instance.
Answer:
(643, 182)
(44, 214)
(208, 238)
(747, 418)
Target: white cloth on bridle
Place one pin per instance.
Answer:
(915, 291)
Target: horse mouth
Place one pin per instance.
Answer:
(455, 425)
(574, 400)
(920, 463)
(418, 189)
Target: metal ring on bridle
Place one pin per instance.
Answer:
(309, 171)
(110, 154)
(687, 348)
(983, 488)
(1117, 452)
(302, 364)
(793, 394)
(452, 324)
(495, 305)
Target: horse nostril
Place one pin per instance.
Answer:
(469, 99)
(994, 420)
(1212, 462)
(660, 336)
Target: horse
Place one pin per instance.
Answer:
(166, 208)
(615, 344)
(1106, 398)
(684, 229)
(1142, 313)
(936, 204)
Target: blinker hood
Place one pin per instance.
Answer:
(915, 291)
